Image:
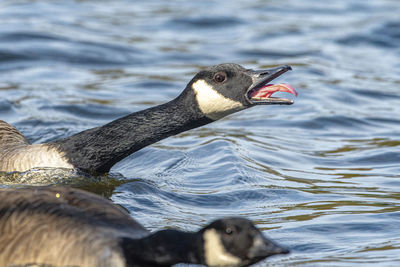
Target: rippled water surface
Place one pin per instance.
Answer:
(321, 176)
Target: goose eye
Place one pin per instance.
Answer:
(220, 77)
(229, 231)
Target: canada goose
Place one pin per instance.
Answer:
(212, 94)
(62, 226)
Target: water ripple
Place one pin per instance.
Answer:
(57, 48)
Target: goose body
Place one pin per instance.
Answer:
(17, 154)
(62, 226)
(212, 94)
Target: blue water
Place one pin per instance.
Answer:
(321, 176)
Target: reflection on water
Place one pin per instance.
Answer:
(102, 185)
(322, 175)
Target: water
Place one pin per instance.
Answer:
(320, 176)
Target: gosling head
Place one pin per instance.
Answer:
(236, 242)
(227, 88)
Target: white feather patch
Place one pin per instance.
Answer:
(26, 157)
(215, 252)
(213, 104)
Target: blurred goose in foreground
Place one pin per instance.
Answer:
(62, 226)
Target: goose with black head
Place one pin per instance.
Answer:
(63, 226)
(212, 94)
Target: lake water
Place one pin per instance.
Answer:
(321, 177)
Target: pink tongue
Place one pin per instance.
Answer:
(267, 90)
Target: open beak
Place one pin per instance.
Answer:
(260, 92)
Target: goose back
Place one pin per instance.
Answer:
(58, 225)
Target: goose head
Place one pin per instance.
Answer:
(227, 88)
(233, 242)
(236, 242)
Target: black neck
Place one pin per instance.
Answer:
(163, 248)
(97, 150)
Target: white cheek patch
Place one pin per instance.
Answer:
(213, 104)
(215, 252)
(258, 242)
